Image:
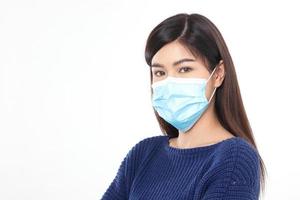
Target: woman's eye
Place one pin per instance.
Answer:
(185, 69)
(159, 73)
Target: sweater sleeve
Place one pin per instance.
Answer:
(236, 178)
(119, 187)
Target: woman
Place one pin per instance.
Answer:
(207, 150)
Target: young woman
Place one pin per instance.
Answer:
(207, 150)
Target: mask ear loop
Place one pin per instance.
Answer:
(215, 87)
(212, 95)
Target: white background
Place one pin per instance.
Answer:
(75, 93)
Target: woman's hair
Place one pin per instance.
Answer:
(204, 40)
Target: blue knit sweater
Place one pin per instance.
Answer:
(152, 169)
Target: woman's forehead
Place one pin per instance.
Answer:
(171, 53)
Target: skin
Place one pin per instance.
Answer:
(207, 130)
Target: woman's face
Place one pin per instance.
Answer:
(175, 60)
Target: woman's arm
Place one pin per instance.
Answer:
(119, 187)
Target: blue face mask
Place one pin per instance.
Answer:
(181, 101)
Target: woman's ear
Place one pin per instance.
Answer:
(219, 74)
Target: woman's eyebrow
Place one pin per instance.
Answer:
(175, 63)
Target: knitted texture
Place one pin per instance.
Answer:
(152, 169)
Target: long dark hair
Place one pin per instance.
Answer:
(204, 40)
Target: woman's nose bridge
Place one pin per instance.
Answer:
(172, 72)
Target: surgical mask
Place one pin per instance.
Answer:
(181, 101)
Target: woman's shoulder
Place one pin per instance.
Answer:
(236, 162)
(152, 139)
(234, 172)
(236, 148)
(142, 150)
(147, 144)
(237, 155)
